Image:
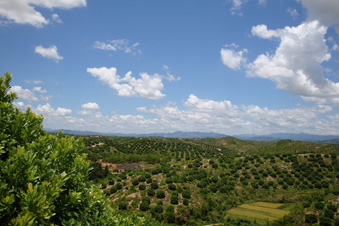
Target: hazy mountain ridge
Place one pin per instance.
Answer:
(180, 134)
(291, 136)
(177, 134)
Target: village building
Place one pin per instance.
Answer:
(125, 167)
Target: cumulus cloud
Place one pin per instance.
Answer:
(24, 94)
(63, 111)
(238, 4)
(170, 77)
(296, 64)
(29, 95)
(56, 18)
(91, 106)
(325, 11)
(50, 52)
(197, 115)
(39, 89)
(232, 58)
(293, 12)
(262, 32)
(223, 116)
(119, 45)
(24, 11)
(50, 112)
(59, 118)
(147, 86)
(205, 105)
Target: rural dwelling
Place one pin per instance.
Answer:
(125, 167)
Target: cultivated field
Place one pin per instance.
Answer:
(261, 212)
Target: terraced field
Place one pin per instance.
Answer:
(260, 212)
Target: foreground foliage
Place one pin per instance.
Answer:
(43, 178)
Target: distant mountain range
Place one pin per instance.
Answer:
(334, 139)
(178, 134)
(291, 136)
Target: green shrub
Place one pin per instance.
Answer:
(113, 189)
(144, 206)
(44, 178)
(142, 187)
(172, 187)
(160, 194)
(154, 185)
(150, 192)
(311, 218)
(122, 206)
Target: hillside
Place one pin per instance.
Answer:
(196, 181)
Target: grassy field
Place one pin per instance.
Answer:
(259, 212)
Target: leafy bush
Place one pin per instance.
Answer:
(186, 195)
(158, 209)
(119, 186)
(160, 194)
(154, 185)
(144, 206)
(150, 192)
(172, 187)
(319, 205)
(113, 189)
(122, 206)
(311, 218)
(174, 200)
(43, 178)
(135, 182)
(142, 179)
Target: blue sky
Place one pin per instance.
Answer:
(228, 66)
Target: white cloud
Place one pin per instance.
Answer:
(262, 2)
(24, 12)
(104, 46)
(91, 106)
(24, 94)
(39, 89)
(118, 45)
(29, 95)
(63, 111)
(198, 115)
(34, 81)
(56, 18)
(237, 5)
(148, 86)
(205, 105)
(293, 12)
(336, 28)
(296, 65)
(63, 4)
(46, 98)
(325, 11)
(224, 117)
(233, 59)
(170, 77)
(262, 32)
(50, 52)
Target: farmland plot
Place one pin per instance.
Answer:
(259, 212)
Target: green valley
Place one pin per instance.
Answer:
(203, 181)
